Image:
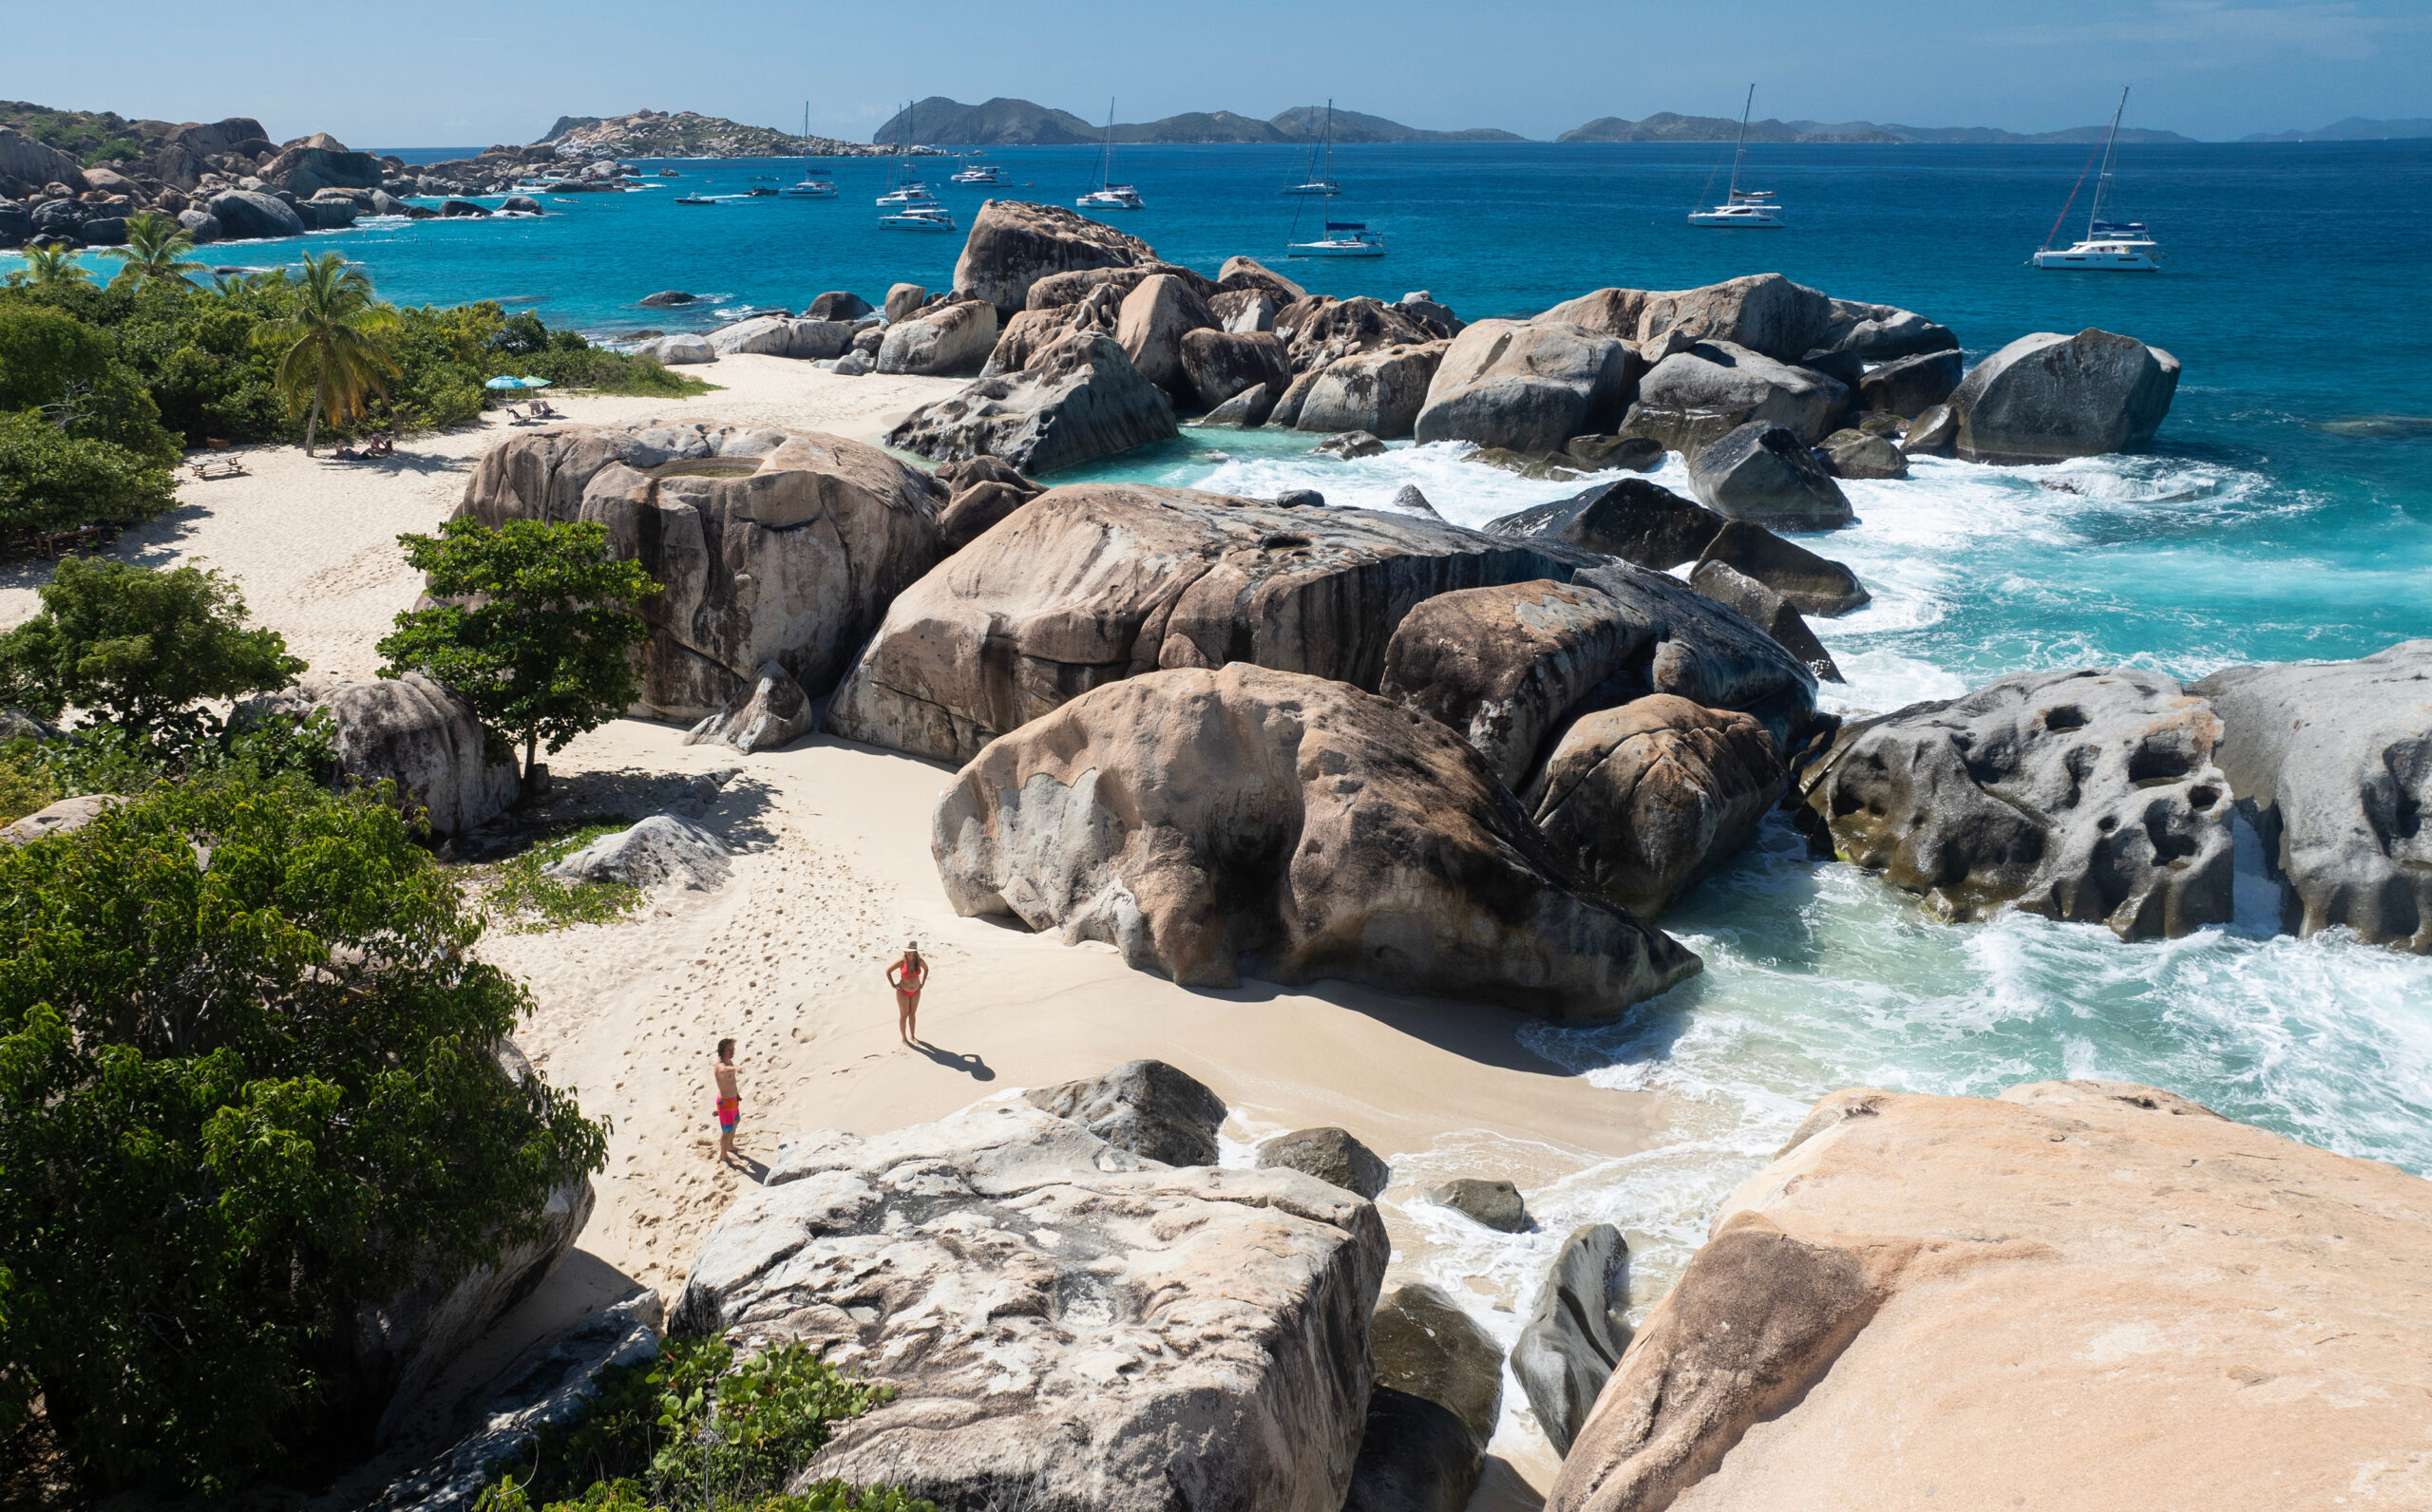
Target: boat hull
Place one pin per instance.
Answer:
(1332, 249)
(1729, 223)
(2097, 261)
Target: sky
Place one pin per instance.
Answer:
(451, 73)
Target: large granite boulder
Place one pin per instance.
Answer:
(1910, 386)
(1013, 244)
(1880, 334)
(1635, 519)
(1221, 364)
(769, 546)
(1068, 288)
(1809, 583)
(308, 170)
(246, 215)
(1606, 311)
(1527, 386)
(1060, 1320)
(1719, 378)
(1094, 582)
(1150, 325)
(837, 305)
(1767, 610)
(943, 341)
(1377, 391)
(1764, 312)
(1246, 309)
(660, 851)
(1158, 1112)
(2079, 1294)
(904, 301)
(775, 712)
(1862, 454)
(1040, 327)
(1576, 1332)
(2332, 763)
(1205, 823)
(1440, 1390)
(1765, 473)
(2048, 396)
(1318, 328)
(1330, 1155)
(65, 817)
(2088, 795)
(678, 350)
(1077, 401)
(1248, 272)
(777, 336)
(37, 163)
(412, 731)
(1644, 801)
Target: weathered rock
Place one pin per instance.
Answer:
(1634, 520)
(1553, 466)
(1318, 328)
(1056, 1316)
(1080, 400)
(774, 713)
(1881, 333)
(2048, 396)
(247, 216)
(202, 225)
(309, 169)
(770, 546)
(1809, 583)
(2332, 763)
(1765, 313)
(1717, 377)
(677, 350)
(1687, 431)
(1149, 1107)
(1219, 365)
(1014, 245)
(1576, 1332)
(904, 301)
(1288, 404)
(1644, 801)
(1246, 309)
(519, 206)
(1637, 453)
(103, 230)
(1496, 1204)
(761, 336)
(412, 731)
(17, 224)
(667, 297)
(1409, 499)
(1936, 433)
(2087, 796)
(1330, 1155)
(1439, 1389)
(1150, 327)
(1377, 391)
(1073, 288)
(1208, 822)
(1606, 311)
(1095, 582)
(943, 341)
(1767, 610)
(980, 508)
(1911, 386)
(1421, 306)
(1914, 1277)
(1036, 329)
(67, 815)
(1764, 473)
(1527, 386)
(33, 162)
(1350, 446)
(1857, 454)
(1247, 272)
(662, 850)
(1246, 410)
(461, 209)
(836, 303)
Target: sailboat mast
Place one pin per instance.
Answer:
(2105, 178)
(1741, 150)
(1106, 154)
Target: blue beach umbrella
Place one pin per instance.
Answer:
(530, 382)
(503, 383)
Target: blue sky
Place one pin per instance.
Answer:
(446, 72)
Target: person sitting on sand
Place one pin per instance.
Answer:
(730, 1098)
(906, 977)
(346, 454)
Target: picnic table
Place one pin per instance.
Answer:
(223, 465)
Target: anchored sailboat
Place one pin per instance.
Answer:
(909, 205)
(1320, 179)
(2108, 246)
(1110, 195)
(817, 184)
(1341, 239)
(1752, 209)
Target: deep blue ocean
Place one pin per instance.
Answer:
(2283, 511)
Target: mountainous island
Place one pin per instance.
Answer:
(687, 134)
(2355, 128)
(1003, 123)
(1669, 126)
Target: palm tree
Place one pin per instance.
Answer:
(53, 264)
(155, 248)
(329, 350)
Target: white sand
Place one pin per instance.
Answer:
(833, 876)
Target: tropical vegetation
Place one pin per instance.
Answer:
(156, 249)
(331, 346)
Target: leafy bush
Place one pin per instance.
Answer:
(56, 367)
(51, 482)
(26, 782)
(535, 902)
(246, 1085)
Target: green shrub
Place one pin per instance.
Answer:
(26, 782)
(529, 901)
(246, 1085)
(51, 482)
(55, 365)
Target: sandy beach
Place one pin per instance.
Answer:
(833, 876)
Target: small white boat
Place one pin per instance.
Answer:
(933, 217)
(1745, 208)
(981, 174)
(1320, 179)
(914, 195)
(1110, 195)
(1343, 238)
(817, 184)
(2108, 246)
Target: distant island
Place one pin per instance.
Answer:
(2355, 128)
(1666, 126)
(685, 134)
(1002, 122)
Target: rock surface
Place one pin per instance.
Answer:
(1912, 1290)
(1809, 583)
(1764, 473)
(1859, 454)
(677, 350)
(1634, 520)
(1150, 325)
(1577, 1332)
(1154, 1110)
(1496, 1204)
(1221, 364)
(1377, 391)
(775, 712)
(1013, 244)
(67, 815)
(2088, 796)
(247, 215)
(1642, 801)
(416, 733)
(2332, 763)
(1060, 1319)
(943, 341)
(1911, 386)
(1439, 1389)
(1077, 401)
(1206, 824)
(1330, 1155)
(1724, 378)
(1246, 410)
(1767, 610)
(772, 546)
(1094, 582)
(660, 851)
(2048, 396)
(1530, 386)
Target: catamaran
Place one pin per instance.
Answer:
(919, 218)
(2108, 246)
(908, 193)
(982, 173)
(1110, 195)
(1320, 179)
(1749, 208)
(817, 184)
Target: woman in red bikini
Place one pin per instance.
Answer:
(906, 977)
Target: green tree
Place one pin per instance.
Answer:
(138, 646)
(330, 350)
(55, 264)
(51, 483)
(155, 252)
(69, 373)
(248, 1083)
(537, 624)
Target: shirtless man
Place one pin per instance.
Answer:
(730, 1098)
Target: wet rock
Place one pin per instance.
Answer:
(1350, 446)
(1246, 410)
(1809, 583)
(1149, 1107)
(942, 341)
(1495, 1205)
(1764, 473)
(1376, 391)
(662, 850)
(1633, 520)
(1576, 1332)
(1721, 377)
(2088, 796)
(1769, 611)
(837, 304)
(1526, 387)
(1408, 499)
(1287, 825)
(1644, 801)
(1219, 365)
(448, 209)
(2048, 396)
(775, 713)
(245, 215)
(1014, 245)
(1911, 386)
(1439, 1389)
(1637, 453)
(519, 206)
(668, 297)
(1857, 454)
(1330, 1155)
(1936, 433)
(1080, 400)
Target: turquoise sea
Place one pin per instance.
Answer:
(2285, 512)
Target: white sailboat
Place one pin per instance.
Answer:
(1110, 195)
(1320, 179)
(906, 192)
(1748, 209)
(817, 184)
(1338, 239)
(2108, 246)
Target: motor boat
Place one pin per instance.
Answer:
(913, 194)
(982, 173)
(817, 184)
(919, 218)
(1113, 196)
(695, 199)
(2108, 246)
(1343, 238)
(1744, 209)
